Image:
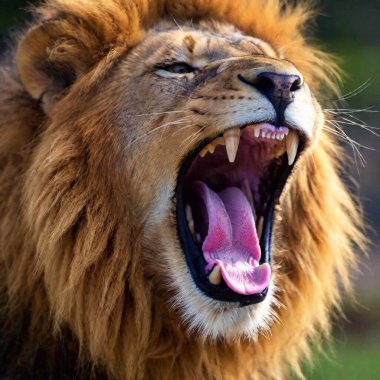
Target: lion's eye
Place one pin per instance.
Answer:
(179, 68)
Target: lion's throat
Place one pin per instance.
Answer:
(231, 242)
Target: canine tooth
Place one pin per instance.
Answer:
(204, 151)
(215, 276)
(232, 139)
(292, 142)
(259, 227)
(189, 218)
(210, 148)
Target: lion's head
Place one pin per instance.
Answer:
(172, 204)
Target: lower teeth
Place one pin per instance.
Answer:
(215, 277)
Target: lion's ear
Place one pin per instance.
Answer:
(51, 57)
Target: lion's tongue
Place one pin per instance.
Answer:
(231, 241)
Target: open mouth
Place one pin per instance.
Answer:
(226, 196)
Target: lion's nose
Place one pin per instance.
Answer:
(278, 88)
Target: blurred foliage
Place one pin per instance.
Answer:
(353, 361)
(350, 30)
(12, 13)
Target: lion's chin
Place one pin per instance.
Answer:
(211, 319)
(226, 196)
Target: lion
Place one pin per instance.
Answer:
(171, 203)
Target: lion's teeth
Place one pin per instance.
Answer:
(215, 276)
(210, 148)
(189, 218)
(292, 142)
(203, 151)
(257, 131)
(232, 139)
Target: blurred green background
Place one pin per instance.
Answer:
(351, 30)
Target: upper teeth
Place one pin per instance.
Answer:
(292, 142)
(262, 130)
(231, 139)
(211, 146)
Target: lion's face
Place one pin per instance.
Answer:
(211, 123)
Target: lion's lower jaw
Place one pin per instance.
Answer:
(211, 319)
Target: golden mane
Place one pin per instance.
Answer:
(70, 278)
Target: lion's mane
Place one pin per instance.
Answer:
(74, 300)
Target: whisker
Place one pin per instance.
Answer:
(179, 26)
(192, 138)
(358, 124)
(354, 144)
(166, 125)
(352, 93)
(156, 113)
(357, 90)
(335, 133)
(338, 111)
(348, 137)
(183, 128)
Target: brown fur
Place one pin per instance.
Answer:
(82, 281)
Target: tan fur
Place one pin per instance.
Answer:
(87, 240)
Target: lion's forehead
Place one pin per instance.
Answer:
(205, 42)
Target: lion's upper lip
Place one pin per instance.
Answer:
(225, 197)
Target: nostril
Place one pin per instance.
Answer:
(296, 85)
(263, 84)
(274, 83)
(268, 81)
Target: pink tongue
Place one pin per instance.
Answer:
(231, 241)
